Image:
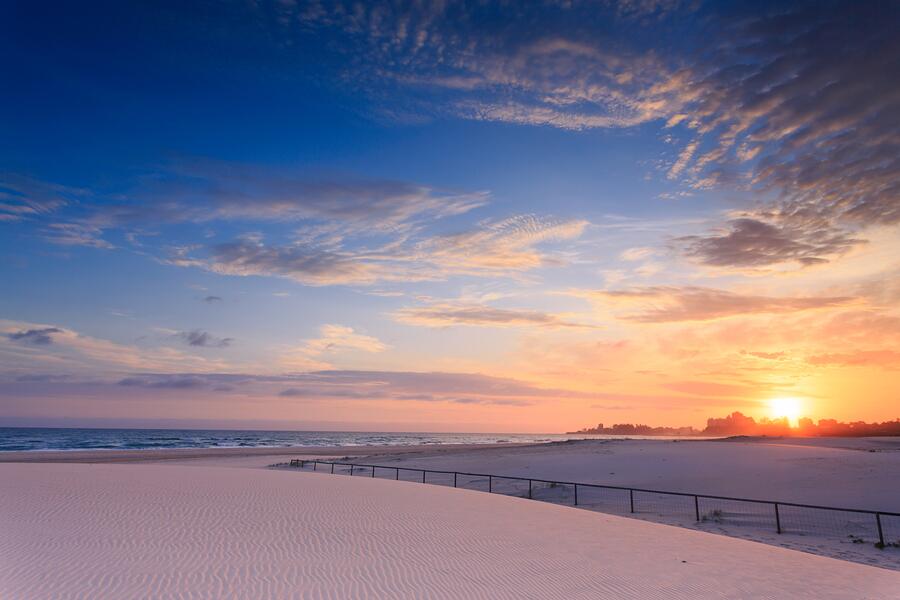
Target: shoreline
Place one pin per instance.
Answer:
(114, 455)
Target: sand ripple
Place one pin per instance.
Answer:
(140, 531)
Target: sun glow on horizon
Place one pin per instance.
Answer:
(786, 407)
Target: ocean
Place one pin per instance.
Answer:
(31, 438)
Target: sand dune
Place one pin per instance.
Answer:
(137, 531)
(823, 471)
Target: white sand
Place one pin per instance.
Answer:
(829, 472)
(808, 474)
(137, 531)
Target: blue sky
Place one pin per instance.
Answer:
(652, 211)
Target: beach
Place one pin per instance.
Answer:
(139, 530)
(225, 523)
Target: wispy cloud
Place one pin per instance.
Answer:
(493, 248)
(304, 263)
(663, 304)
(333, 340)
(457, 388)
(450, 313)
(509, 244)
(76, 234)
(860, 358)
(572, 76)
(776, 103)
(200, 191)
(171, 382)
(23, 197)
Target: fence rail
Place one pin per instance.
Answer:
(781, 516)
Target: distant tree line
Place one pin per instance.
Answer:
(739, 424)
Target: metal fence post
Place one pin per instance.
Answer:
(373, 472)
(777, 518)
(697, 508)
(423, 475)
(529, 489)
(397, 475)
(880, 531)
(454, 478)
(332, 468)
(351, 470)
(631, 498)
(315, 465)
(490, 484)
(576, 494)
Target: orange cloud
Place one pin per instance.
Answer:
(662, 304)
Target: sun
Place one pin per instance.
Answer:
(785, 407)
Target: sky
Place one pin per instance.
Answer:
(448, 216)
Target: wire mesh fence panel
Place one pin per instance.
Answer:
(847, 525)
(439, 478)
(890, 528)
(853, 526)
(609, 500)
(737, 513)
(551, 491)
(510, 486)
(385, 472)
(472, 482)
(664, 505)
(408, 474)
(343, 469)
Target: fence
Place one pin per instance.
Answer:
(857, 525)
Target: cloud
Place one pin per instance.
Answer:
(455, 59)
(638, 253)
(75, 352)
(509, 244)
(203, 339)
(76, 234)
(173, 382)
(712, 388)
(39, 337)
(491, 249)
(753, 243)
(776, 102)
(457, 388)
(860, 358)
(446, 314)
(663, 304)
(24, 198)
(201, 190)
(766, 355)
(318, 386)
(378, 394)
(43, 377)
(333, 340)
(307, 264)
(212, 299)
(784, 108)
